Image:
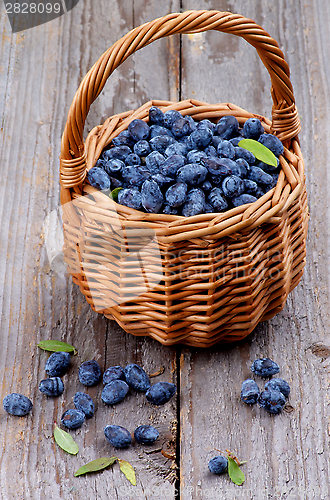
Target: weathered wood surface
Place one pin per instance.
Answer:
(287, 455)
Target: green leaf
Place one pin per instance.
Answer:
(259, 150)
(65, 441)
(56, 345)
(95, 465)
(114, 194)
(128, 470)
(235, 473)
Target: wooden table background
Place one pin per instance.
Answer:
(287, 455)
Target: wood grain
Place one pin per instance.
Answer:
(287, 455)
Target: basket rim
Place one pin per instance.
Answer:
(266, 209)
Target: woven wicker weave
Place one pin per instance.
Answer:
(192, 280)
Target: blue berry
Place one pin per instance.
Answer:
(195, 156)
(154, 161)
(250, 391)
(210, 151)
(235, 140)
(142, 148)
(195, 203)
(192, 123)
(243, 199)
(52, 386)
(138, 130)
(136, 377)
(160, 393)
(117, 153)
(226, 150)
(98, 178)
(57, 364)
(118, 436)
(17, 404)
(273, 143)
(159, 130)
(84, 403)
(114, 167)
(115, 183)
(245, 155)
(73, 418)
(133, 159)
(161, 142)
(146, 434)
(162, 180)
(201, 137)
(232, 186)
(123, 139)
(218, 465)
(218, 167)
(272, 401)
(169, 210)
(180, 127)
(216, 140)
(208, 209)
(206, 186)
(176, 194)
(89, 373)
(217, 200)
(240, 168)
(135, 175)
(130, 197)
(278, 384)
(113, 373)
(270, 169)
(227, 127)
(177, 148)
(156, 116)
(252, 129)
(114, 392)
(257, 175)
(265, 367)
(192, 174)
(206, 124)
(187, 141)
(171, 165)
(250, 187)
(170, 116)
(152, 197)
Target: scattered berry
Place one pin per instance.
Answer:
(265, 367)
(84, 403)
(146, 434)
(17, 404)
(52, 386)
(136, 377)
(57, 364)
(271, 400)
(89, 373)
(250, 391)
(118, 436)
(278, 384)
(218, 465)
(114, 392)
(73, 418)
(113, 373)
(160, 393)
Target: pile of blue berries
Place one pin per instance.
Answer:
(175, 165)
(116, 380)
(276, 390)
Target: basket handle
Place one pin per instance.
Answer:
(285, 120)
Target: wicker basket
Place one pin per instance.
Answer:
(192, 280)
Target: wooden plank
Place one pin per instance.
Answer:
(287, 455)
(40, 72)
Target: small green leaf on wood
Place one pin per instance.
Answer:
(56, 345)
(95, 465)
(114, 194)
(65, 441)
(259, 150)
(128, 470)
(235, 473)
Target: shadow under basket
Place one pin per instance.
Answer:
(194, 280)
